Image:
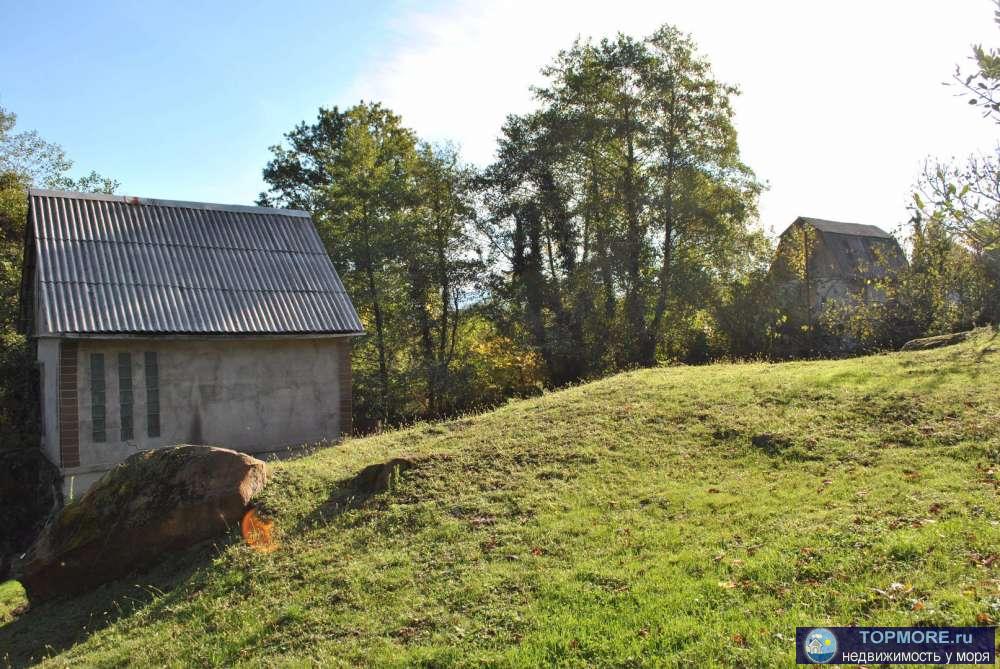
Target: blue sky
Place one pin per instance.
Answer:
(841, 101)
(180, 99)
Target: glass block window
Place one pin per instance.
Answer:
(125, 396)
(97, 396)
(41, 398)
(152, 394)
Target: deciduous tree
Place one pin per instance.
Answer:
(618, 207)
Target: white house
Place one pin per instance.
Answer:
(161, 322)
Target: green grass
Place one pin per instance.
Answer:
(11, 599)
(683, 516)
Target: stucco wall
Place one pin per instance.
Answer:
(253, 395)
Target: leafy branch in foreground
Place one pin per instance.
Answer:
(983, 85)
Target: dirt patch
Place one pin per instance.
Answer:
(772, 444)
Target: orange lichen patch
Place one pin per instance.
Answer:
(257, 532)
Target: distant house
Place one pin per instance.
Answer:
(819, 262)
(161, 322)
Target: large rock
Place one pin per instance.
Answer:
(926, 343)
(154, 502)
(30, 492)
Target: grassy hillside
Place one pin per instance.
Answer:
(687, 515)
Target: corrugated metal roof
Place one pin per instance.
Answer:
(836, 227)
(123, 265)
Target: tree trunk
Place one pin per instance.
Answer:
(666, 251)
(418, 295)
(373, 295)
(383, 366)
(634, 306)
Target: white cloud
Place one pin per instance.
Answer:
(841, 101)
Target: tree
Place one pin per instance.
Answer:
(746, 315)
(25, 160)
(799, 328)
(982, 86)
(440, 265)
(394, 215)
(26, 154)
(960, 205)
(353, 171)
(618, 208)
(28, 160)
(963, 200)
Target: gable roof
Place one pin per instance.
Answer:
(110, 264)
(846, 251)
(839, 228)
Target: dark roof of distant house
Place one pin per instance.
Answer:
(109, 264)
(839, 228)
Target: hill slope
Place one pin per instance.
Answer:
(679, 515)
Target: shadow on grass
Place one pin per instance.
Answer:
(51, 627)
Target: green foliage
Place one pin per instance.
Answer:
(12, 598)
(493, 367)
(395, 215)
(37, 162)
(688, 516)
(88, 183)
(942, 290)
(800, 327)
(747, 318)
(982, 87)
(28, 155)
(13, 214)
(19, 388)
(965, 198)
(960, 205)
